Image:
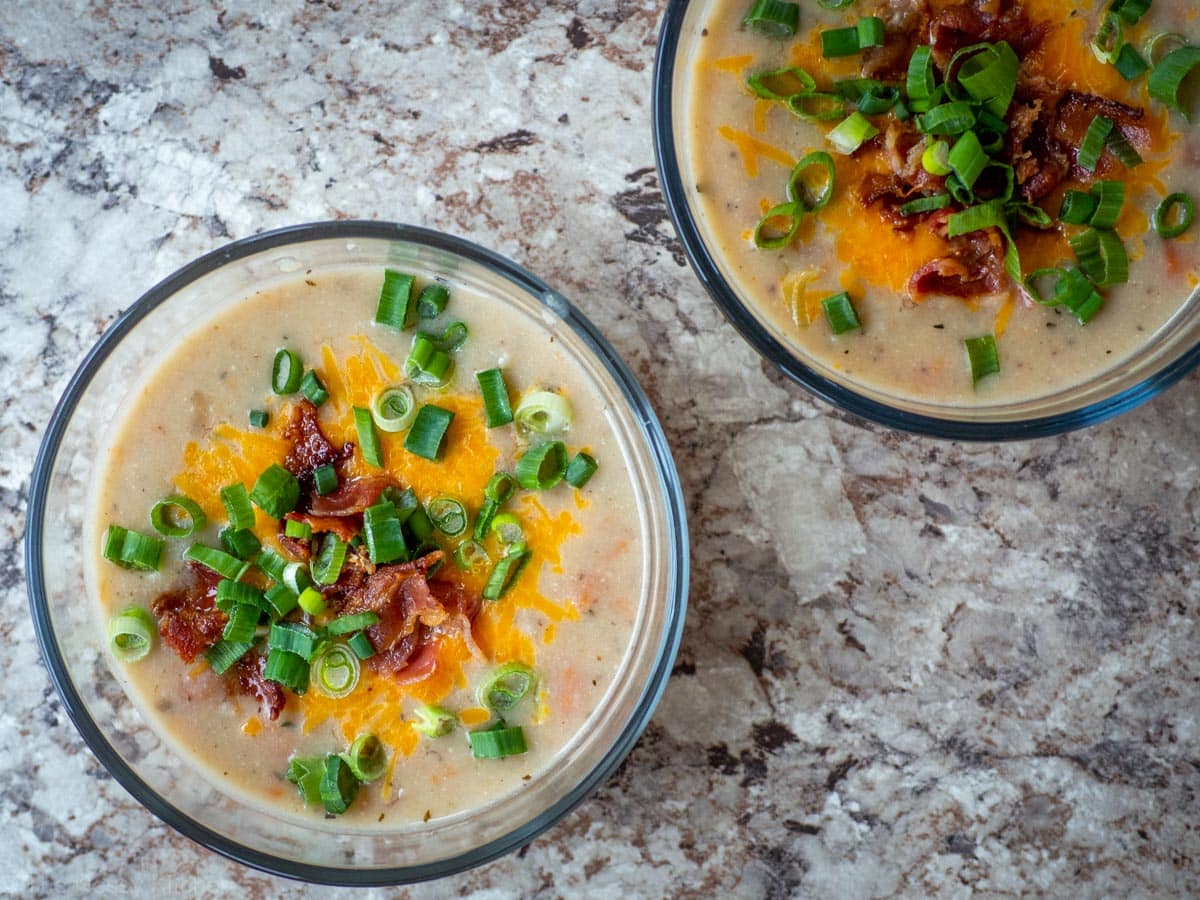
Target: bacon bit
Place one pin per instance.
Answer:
(351, 497)
(974, 267)
(419, 666)
(904, 24)
(344, 526)
(961, 26)
(188, 620)
(1074, 115)
(252, 682)
(400, 596)
(309, 446)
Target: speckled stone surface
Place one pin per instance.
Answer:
(910, 668)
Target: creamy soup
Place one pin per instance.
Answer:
(740, 148)
(564, 619)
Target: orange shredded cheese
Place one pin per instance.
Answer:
(252, 726)
(752, 148)
(474, 715)
(733, 64)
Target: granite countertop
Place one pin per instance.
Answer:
(924, 668)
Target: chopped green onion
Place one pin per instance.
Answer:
(981, 352)
(282, 600)
(500, 487)
(448, 515)
(1182, 221)
(367, 758)
(1033, 286)
(312, 601)
(798, 190)
(427, 363)
(219, 561)
(296, 577)
(393, 408)
(497, 741)
(223, 654)
(878, 101)
(936, 158)
(325, 479)
(361, 645)
(1077, 208)
(243, 543)
(967, 159)
(432, 300)
(312, 388)
(231, 593)
(418, 525)
(1101, 256)
(817, 107)
(840, 314)
(1131, 10)
(580, 469)
(1110, 197)
(1131, 64)
(975, 218)
(507, 527)
(774, 18)
(368, 440)
(779, 84)
(335, 672)
(297, 529)
(327, 566)
(306, 775)
(1076, 293)
(543, 413)
(837, 42)
(1163, 43)
(471, 557)
(1029, 213)
(959, 191)
(495, 397)
(925, 204)
(348, 624)
(243, 619)
(131, 634)
(1093, 143)
(428, 432)
(834, 4)
(855, 130)
(507, 686)
(177, 516)
(542, 467)
(921, 81)
(132, 549)
(272, 563)
(286, 372)
(1122, 149)
(276, 492)
(434, 721)
(259, 418)
(989, 76)
(236, 500)
(948, 118)
(338, 785)
(396, 308)
(1109, 39)
(483, 522)
(870, 32)
(384, 534)
(778, 228)
(504, 574)
(454, 336)
(288, 669)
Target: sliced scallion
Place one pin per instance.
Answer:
(855, 130)
(1094, 141)
(286, 372)
(325, 479)
(495, 397)
(177, 516)
(983, 357)
(434, 721)
(367, 758)
(504, 575)
(132, 549)
(798, 190)
(231, 593)
(1110, 197)
(259, 418)
(497, 741)
(368, 440)
(338, 785)
(580, 469)
(967, 158)
(428, 431)
(432, 300)
(313, 388)
(223, 654)
(327, 565)
(360, 645)
(335, 671)
(242, 543)
(1131, 64)
(236, 500)
(448, 515)
(282, 600)
(507, 686)
(276, 492)
(1167, 78)
(542, 467)
(1170, 224)
(393, 408)
(288, 669)
(243, 619)
(131, 634)
(779, 226)
(297, 529)
(775, 18)
(950, 118)
(471, 557)
(779, 84)
(311, 601)
(350, 624)
(396, 308)
(836, 42)
(306, 775)
(543, 413)
(840, 314)
(219, 561)
(1077, 207)
(384, 534)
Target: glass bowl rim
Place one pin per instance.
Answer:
(677, 573)
(842, 396)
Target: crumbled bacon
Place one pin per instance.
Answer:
(974, 266)
(252, 682)
(188, 620)
(1075, 113)
(309, 446)
(904, 24)
(351, 496)
(956, 27)
(400, 596)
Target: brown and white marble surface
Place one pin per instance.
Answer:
(910, 668)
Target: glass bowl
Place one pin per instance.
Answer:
(1169, 355)
(73, 638)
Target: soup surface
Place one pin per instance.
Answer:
(563, 621)
(919, 294)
